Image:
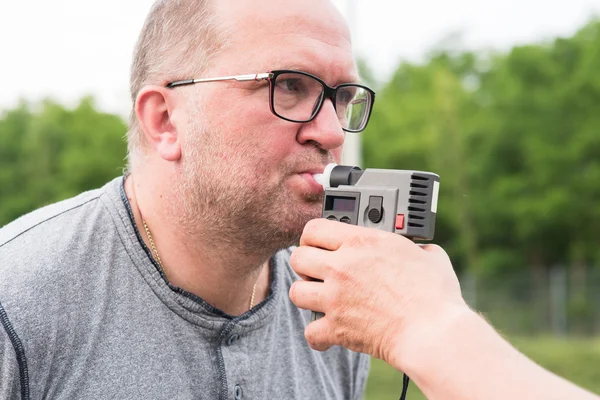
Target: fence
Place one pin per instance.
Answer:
(557, 301)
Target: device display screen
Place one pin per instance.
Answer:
(343, 204)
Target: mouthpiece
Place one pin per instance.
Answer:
(324, 179)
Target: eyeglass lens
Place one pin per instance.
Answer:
(296, 97)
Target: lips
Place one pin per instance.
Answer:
(312, 171)
(303, 181)
(313, 185)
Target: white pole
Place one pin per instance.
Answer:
(352, 154)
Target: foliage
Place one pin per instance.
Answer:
(515, 139)
(49, 153)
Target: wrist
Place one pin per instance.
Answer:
(417, 347)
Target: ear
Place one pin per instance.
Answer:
(154, 108)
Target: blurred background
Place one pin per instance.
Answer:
(501, 98)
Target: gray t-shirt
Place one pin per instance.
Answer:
(86, 314)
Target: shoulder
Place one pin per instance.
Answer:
(43, 220)
(46, 255)
(40, 239)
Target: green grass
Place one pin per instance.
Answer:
(577, 360)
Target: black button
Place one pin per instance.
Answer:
(375, 208)
(345, 220)
(333, 218)
(232, 339)
(237, 392)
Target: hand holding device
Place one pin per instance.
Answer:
(398, 201)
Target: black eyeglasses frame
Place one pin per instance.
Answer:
(328, 92)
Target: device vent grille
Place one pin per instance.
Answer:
(419, 198)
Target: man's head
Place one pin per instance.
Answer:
(178, 36)
(233, 166)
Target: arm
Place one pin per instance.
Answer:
(463, 357)
(386, 296)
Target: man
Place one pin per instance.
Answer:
(388, 297)
(172, 282)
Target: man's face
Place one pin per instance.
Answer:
(246, 171)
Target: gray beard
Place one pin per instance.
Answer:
(243, 220)
(215, 207)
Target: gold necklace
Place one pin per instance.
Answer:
(157, 257)
(253, 291)
(153, 247)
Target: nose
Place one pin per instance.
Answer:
(325, 129)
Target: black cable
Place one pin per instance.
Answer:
(405, 382)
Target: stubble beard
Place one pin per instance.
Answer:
(220, 203)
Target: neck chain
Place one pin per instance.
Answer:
(162, 269)
(153, 247)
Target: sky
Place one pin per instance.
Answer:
(66, 49)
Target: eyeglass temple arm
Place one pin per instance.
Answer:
(239, 78)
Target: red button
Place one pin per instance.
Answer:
(400, 221)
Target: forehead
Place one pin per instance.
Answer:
(309, 35)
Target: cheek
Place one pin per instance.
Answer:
(252, 139)
(268, 154)
(252, 153)
(267, 140)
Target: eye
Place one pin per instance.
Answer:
(345, 95)
(289, 84)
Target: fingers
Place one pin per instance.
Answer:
(317, 334)
(325, 234)
(310, 262)
(331, 235)
(307, 295)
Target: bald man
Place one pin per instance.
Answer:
(172, 281)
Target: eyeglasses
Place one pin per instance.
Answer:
(298, 97)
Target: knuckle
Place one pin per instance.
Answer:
(344, 275)
(311, 227)
(330, 300)
(329, 267)
(364, 238)
(341, 334)
(355, 241)
(344, 267)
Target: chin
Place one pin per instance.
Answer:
(296, 217)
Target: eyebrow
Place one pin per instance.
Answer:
(346, 79)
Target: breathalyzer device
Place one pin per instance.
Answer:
(399, 201)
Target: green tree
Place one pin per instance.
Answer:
(515, 139)
(54, 153)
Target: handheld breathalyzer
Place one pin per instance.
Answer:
(399, 201)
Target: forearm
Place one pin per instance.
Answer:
(467, 359)
(409, 311)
